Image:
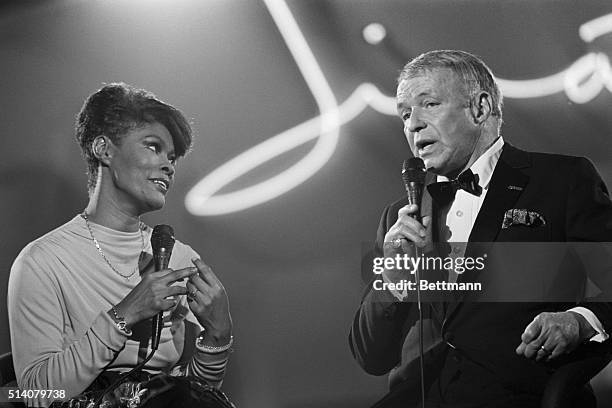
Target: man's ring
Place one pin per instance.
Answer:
(397, 242)
(544, 349)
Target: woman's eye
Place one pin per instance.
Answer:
(430, 104)
(154, 147)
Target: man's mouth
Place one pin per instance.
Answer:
(162, 183)
(424, 146)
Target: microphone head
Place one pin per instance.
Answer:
(413, 171)
(162, 238)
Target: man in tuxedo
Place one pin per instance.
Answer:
(496, 354)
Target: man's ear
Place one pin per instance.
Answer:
(481, 108)
(101, 149)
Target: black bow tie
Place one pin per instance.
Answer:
(443, 192)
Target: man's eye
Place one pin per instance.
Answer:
(431, 104)
(406, 115)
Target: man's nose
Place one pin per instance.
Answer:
(415, 123)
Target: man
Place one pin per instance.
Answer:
(477, 354)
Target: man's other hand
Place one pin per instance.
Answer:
(550, 335)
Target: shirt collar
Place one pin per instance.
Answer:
(485, 164)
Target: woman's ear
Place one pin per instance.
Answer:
(101, 149)
(481, 108)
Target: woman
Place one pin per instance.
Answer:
(81, 297)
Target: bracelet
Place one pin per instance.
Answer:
(120, 322)
(212, 349)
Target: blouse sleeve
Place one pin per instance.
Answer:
(43, 358)
(203, 364)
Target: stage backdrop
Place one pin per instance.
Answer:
(276, 197)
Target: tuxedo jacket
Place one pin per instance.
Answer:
(463, 333)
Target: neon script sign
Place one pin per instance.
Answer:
(582, 81)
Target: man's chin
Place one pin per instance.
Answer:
(436, 165)
(431, 164)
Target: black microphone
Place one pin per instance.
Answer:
(162, 242)
(413, 174)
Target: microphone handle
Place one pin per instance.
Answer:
(414, 192)
(157, 323)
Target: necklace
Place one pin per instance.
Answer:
(97, 244)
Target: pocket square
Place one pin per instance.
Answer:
(521, 216)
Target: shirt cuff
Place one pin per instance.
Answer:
(590, 317)
(210, 367)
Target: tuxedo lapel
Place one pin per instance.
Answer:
(506, 185)
(427, 211)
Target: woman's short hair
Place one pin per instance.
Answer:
(117, 108)
(471, 70)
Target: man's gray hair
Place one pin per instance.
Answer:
(471, 70)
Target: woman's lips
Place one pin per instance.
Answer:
(162, 185)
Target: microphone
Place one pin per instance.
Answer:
(413, 174)
(162, 242)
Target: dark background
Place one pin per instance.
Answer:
(291, 265)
